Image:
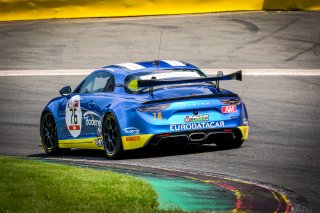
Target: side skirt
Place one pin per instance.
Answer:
(81, 143)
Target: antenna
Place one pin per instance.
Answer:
(159, 45)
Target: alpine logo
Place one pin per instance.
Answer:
(229, 109)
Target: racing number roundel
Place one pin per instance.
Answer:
(74, 116)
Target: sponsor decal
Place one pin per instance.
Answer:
(197, 104)
(98, 142)
(90, 120)
(132, 131)
(73, 104)
(131, 66)
(93, 119)
(74, 127)
(174, 63)
(245, 122)
(74, 116)
(133, 138)
(196, 118)
(229, 109)
(196, 126)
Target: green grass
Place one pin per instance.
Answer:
(35, 186)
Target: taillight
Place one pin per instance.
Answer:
(163, 135)
(153, 108)
(230, 101)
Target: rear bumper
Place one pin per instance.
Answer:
(244, 132)
(187, 137)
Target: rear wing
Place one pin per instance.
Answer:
(135, 84)
(151, 83)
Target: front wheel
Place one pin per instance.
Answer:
(49, 135)
(111, 137)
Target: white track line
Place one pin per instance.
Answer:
(247, 72)
(45, 72)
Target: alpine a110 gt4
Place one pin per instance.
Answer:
(132, 105)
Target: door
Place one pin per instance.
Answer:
(83, 114)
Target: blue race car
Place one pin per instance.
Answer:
(132, 105)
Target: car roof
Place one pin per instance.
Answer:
(147, 66)
(120, 71)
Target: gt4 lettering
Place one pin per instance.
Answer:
(229, 109)
(196, 126)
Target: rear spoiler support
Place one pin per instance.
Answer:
(220, 73)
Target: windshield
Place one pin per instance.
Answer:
(162, 75)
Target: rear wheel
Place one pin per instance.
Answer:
(237, 143)
(229, 144)
(49, 135)
(111, 137)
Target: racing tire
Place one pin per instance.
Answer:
(111, 137)
(237, 143)
(49, 135)
(229, 144)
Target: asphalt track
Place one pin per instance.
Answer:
(283, 148)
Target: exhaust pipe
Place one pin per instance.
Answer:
(196, 137)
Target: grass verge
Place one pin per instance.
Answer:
(35, 186)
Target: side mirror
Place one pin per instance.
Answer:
(65, 91)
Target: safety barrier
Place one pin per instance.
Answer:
(47, 9)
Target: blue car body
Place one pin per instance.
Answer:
(152, 104)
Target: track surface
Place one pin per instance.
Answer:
(234, 40)
(283, 148)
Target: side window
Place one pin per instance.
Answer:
(110, 85)
(98, 82)
(87, 85)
